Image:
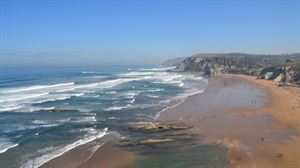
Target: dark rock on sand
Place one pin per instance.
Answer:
(155, 141)
(279, 155)
(157, 127)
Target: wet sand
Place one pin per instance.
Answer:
(105, 155)
(285, 108)
(109, 156)
(255, 120)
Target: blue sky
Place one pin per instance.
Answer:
(142, 32)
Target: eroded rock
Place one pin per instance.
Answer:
(158, 127)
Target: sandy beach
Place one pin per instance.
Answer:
(255, 120)
(256, 134)
(284, 106)
(150, 84)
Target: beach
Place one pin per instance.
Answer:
(150, 84)
(255, 122)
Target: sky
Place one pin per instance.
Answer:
(96, 32)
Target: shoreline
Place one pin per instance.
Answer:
(284, 106)
(259, 134)
(273, 143)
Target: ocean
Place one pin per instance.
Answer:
(45, 112)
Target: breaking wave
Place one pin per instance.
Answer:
(5, 145)
(53, 152)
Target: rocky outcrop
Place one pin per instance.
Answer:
(281, 73)
(281, 68)
(158, 127)
(156, 133)
(214, 64)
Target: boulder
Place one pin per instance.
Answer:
(280, 78)
(269, 75)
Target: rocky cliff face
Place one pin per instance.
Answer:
(287, 73)
(271, 67)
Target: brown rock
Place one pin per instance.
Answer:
(279, 155)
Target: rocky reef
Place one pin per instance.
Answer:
(155, 127)
(281, 68)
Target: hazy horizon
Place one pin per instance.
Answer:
(142, 32)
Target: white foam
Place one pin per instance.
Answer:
(30, 127)
(63, 97)
(93, 150)
(22, 97)
(116, 108)
(65, 90)
(10, 108)
(5, 145)
(111, 92)
(79, 94)
(181, 84)
(86, 119)
(39, 122)
(38, 87)
(87, 130)
(152, 96)
(22, 102)
(179, 99)
(109, 83)
(49, 123)
(137, 74)
(52, 152)
(132, 101)
(155, 90)
(56, 97)
(157, 69)
(131, 95)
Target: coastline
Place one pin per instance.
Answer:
(284, 105)
(259, 131)
(251, 129)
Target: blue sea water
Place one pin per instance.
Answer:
(45, 112)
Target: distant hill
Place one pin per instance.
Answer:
(173, 62)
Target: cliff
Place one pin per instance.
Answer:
(285, 73)
(281, 68)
